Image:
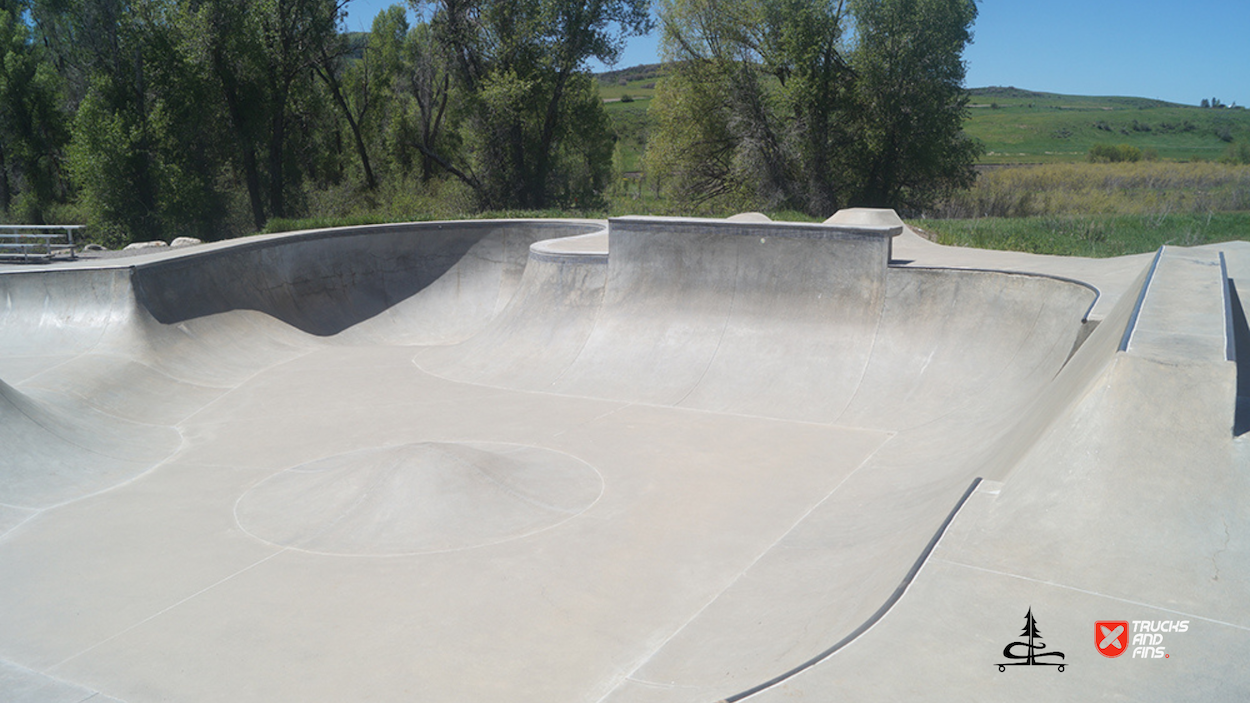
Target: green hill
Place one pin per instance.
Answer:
(1021, 126)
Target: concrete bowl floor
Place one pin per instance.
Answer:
(649, 459)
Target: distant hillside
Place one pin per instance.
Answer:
(636, 82)
(1024, 126)
(1012, 96)
(648, 71)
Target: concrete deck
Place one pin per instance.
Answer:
(656, 459)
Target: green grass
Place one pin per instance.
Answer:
(636, 82)
(1022, 127)
(281, 224)
(632, 124)
(1142, 188)
(1093, 236)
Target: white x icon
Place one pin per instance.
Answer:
(1111, 637)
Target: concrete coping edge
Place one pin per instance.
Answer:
(790, 230)
(1230, 332)
(1030, 274)
(180, 255)
(589, 248)
(1141, 300)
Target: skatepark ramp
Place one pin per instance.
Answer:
(1126, 498)
(652, 459)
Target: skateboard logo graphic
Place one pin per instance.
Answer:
(1032, 646)
(1111, 637)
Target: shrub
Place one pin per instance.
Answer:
(627, 98)
(1108, 154)
(1238, 153)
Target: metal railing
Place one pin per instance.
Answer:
(37, 243)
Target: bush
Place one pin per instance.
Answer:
(1108, 154)
(1238, 153)
(627, 98)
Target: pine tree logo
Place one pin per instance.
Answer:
(1032, 648)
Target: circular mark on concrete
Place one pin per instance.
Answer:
(418, 498)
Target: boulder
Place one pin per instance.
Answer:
(144, 245)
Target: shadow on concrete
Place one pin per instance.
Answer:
(1241, 342)
(320, 286)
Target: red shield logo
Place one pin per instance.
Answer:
(1111, 637)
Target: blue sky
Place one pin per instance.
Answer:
(1177, 51)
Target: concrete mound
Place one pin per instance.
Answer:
(418, 498)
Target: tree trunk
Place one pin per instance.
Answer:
(277, 177)
(251, 173)
(550, 120)
(5, 196)
(327, 75)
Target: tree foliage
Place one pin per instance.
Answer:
(535, 129)
(814, 104)
(156, 118)
(33, 127)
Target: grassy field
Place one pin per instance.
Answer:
(636, 82)
(1094, 235)
(631, 122)
(1018, 126)
(1142, 188)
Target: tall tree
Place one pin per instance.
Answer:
(359, 75)
(788, 103)
(910, 102)
(261, 56)
(427, 79)
(768, 79)
(522, 69)
(33, 128)
(225, 44)
(142, 154)
(292, 34)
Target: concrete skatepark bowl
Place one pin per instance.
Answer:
(653, 459)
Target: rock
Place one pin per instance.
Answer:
(749, 217)
(144, 245)
(185, 242)
(94, 247)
